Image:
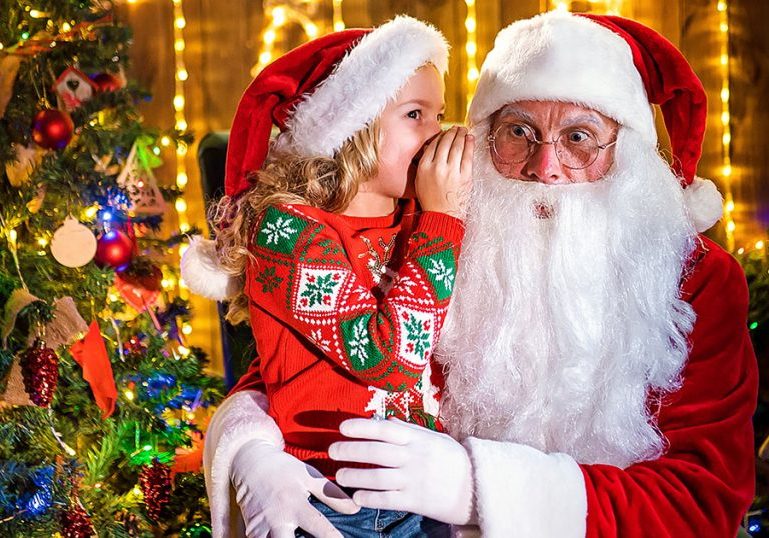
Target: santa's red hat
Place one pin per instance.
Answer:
(318, 95)
(613, 65)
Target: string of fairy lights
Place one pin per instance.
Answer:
(279, 16)
(726, 134)
(471, 50)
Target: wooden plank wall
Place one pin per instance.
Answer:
(223, 41)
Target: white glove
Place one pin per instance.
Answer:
(272, 490)
(425, 472)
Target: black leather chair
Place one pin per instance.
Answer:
(237, 341)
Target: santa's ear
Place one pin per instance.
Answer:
(203, 274)
(704, 203)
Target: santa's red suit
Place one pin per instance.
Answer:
(704, 482)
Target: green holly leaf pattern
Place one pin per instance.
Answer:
(318, 290)
(417, 335)
(269, 280)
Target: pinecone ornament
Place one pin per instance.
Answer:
(76, 523)
(40, 371)
(155, 481)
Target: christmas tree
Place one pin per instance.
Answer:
(102, 406)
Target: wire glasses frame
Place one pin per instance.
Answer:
(572, 154)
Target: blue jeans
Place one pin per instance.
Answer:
(373, 523)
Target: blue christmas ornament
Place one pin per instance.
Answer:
(33, 504)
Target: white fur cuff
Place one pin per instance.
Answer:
(521, 491)
(242, 417)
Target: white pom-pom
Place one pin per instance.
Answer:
(202, 273)
(704, 203)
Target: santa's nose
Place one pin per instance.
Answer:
(543, 166)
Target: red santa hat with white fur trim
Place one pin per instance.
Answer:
(318, 95)
(613, 65)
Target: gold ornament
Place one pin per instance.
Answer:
(20, 170)
(9, 67)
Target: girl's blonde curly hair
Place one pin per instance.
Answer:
(287, 178)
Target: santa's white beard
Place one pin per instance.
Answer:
(561, 327)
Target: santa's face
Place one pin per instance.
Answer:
(564, 320)
(552, 142)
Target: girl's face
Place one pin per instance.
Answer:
(405, 124)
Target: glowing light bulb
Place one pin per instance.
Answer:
(279, 16)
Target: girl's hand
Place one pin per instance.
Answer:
(444, 174)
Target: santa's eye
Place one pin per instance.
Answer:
(578, 137)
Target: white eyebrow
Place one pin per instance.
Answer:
(512, 110)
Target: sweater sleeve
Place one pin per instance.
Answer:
(303, 276)
(704, 483)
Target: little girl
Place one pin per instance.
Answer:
(347, 279)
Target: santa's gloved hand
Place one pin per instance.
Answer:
(425, 472)
(272, 490)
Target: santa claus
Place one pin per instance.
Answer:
(600, 379)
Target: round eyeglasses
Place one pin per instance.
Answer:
(515, 142)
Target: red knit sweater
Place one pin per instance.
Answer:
(345, 312)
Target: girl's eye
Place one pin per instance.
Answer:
(415, 114)
(441, 117)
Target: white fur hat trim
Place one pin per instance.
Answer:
(551, 57)
(369, 76)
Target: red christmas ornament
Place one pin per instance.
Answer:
(40, 372)
(113, 249)
(155, 481)
(107, 82)
(76, 523)
(52, 129)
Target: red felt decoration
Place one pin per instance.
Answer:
(91, 354)
(114, 249)
(40, 371)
